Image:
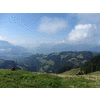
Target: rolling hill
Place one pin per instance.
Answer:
(52, 62)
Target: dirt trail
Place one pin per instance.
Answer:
(60, 75)
(95, 78)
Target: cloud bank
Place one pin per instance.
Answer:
(84, 31)
(3, 38)
(52, 25)
(81, 33)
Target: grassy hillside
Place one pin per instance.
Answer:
(52, 62)
(73, 71)
(88, 67)
(25, 79)
(48, 63)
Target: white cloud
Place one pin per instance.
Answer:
(81, 33)
(2, 49)
(3, 38)
(9, 49)
(84, 32)
(52, 25)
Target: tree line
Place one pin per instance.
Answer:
(88, 67)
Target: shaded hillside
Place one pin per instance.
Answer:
(52, 62)
(88, 67)
(73, 71)
(55, 62)
(92, 65)
(63, 69)
(8, 64)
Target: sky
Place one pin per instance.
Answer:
(33, 29)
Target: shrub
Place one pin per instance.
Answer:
(80, 73)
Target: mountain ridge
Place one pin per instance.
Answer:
(54, 61)
(49, 63)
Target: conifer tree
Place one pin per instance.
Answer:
(81, 69)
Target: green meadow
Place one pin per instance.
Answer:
(25, 79)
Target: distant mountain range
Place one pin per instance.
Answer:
(50, 60)
(94, 49)
(9, 52)
(49, 63)
(50, 48)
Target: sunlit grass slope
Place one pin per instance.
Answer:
(25, 79)
(73, 71)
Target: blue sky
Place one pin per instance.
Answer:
(31, 29)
